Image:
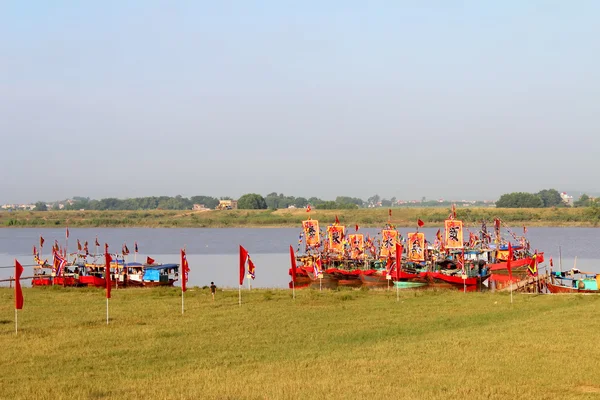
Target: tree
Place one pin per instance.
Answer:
(519, 200)
(373, 199)
(551, 198)
(252, 201)
(208, 201)
(41, 206)
(583, 201)
(300, 202)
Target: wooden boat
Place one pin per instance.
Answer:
(573, 281)
(409, 284)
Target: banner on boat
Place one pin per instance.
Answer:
(389, 238)
(454, 234)
(357, 245)
(311, 232)
(416, 246)
(336, 238)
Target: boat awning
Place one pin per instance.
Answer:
(162, 266)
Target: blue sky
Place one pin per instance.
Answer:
(464, 99)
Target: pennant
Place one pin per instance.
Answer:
(337, 221)
(97, 243)
(532, 268)
(56, 247)
(243, 258)
(34, 250)
(85, 248)
(135, 247)
(551, 263)
(67, 232)
(186, 269)
(317, 270)
(18, 291)
(453, 210)
(398, 260)
(438, 235)
(108, 259)
(416, 247)
(149, 260)
(59, 263)
(251, 267)
(41, 242)
(308, 208)
(125, 249)
(420, 223)
(293, 263)
(509, 262)
(356, 228)
(79, 248)
(389, 212)
(524, 230)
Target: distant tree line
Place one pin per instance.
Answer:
(542, 199)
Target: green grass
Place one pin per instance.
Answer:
(329, 345)
(402, 217)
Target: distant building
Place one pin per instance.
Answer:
(568, 200)
(199, 207)
(227, 205)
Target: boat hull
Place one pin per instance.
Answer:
(552, 288)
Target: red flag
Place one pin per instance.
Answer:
(186, 268)
(420, 223)
(508, 263)
(308, 208)
(78, 245)
(67, 232)
(453, 210)
(524, 230)
(438, 235)
(18, 291)
(337, 221)
(108, 259)
(85, 248)
(551, 263)
(293, 262)
(389, 212)
(243, 258)
(125, 249)
(135, 247)
(34, 250)
(398, 260)
(251, 267)
(388, 266)
(356, 227)
(41, 242)
(97, 243)
(149, 260)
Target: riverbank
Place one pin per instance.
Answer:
(401, 217)
(326, 345)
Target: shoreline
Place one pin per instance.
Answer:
(286, 218)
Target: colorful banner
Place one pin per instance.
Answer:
(357, 245)
(416, 246)
(389, 238)
(336, 238)
(454, 234)
(311, 232)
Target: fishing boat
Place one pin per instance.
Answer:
(160, 274)
(409, 285)
(573, 281)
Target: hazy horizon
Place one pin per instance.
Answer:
(405, 99)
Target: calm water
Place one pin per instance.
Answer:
(212, 253)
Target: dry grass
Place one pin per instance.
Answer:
(343, 344)
(403, 217)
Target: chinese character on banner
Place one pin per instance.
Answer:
(454, 234)
(311, 232)
(416, 246)
(389, 238)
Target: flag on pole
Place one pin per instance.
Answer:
(59, 262)
(356, 227)
(389, 212)
(293, 263)
(97, 243)
(125, 249)
(85, 248)
(388, 265)
(251, 267)
(135, 247)
(149, 260)
(108, 259)
(243, 258)
(34, 250)
(337, 221)
(398, 260)
(532, 269)
(67, 232)
(308, 208)
(41, 242)
(18, 291)
(420, 223)
(185, 269)
(79, 248)
(551, 263)
(509, 262)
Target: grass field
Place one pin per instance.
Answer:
(402, 217)
(345, 344)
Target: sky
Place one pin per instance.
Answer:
(452, 99)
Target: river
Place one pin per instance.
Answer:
(213, 253)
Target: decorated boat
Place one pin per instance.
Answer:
(160, 275)
(573, 281)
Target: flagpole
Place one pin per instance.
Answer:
(240, 295)
(511, 296)
(107, 311)
(293, 290)
(182, 301)
(320, 283)
(397, 292)
(16, 324)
